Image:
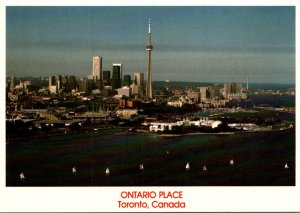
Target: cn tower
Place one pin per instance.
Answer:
(149, 48)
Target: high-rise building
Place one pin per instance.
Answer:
(204, 93)
(127, 80)
(116, 76)
(106, 78)
(97, 70)
(52, 84)
(149, 48)
(85, 85)
(138, 85)
(226, 90)
(12, 83)
(71, 83)
(139, 78)
(62, 82)
(52, 81)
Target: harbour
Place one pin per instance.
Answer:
(115, 160)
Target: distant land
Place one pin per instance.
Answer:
(158, 84)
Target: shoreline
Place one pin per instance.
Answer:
(121, 131)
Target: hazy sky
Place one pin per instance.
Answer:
(206, 44)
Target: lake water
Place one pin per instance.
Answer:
(259, 160)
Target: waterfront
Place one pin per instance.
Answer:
(259, 160)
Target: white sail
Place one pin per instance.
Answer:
(187, 166)
(141, 166)
(107, 171)
(204, 168)
(231, 162)
(286, 166)
(22, 176)
(74, 170)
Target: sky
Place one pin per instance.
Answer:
(191, 43)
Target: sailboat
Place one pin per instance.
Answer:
(141, 166)
(286, 166)
(187, 166)
(231, 162)
(107, 171)
(74, 170)
(22, 176)
(204, 168)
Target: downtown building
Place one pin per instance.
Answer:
(97, 75)
(138, 85)
(116, 80)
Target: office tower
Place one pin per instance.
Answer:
(138, 85)
(85, 85)
(216, 90)
(97, 70)
(116, 76)
(59, 82)
(247, 82)
(226, 90)
(63, 81)
(127, 80)
(71, 83)
(204, 93)
(52, 81)
(106, 78)
(12, 83)
(52, 84)
(139, 78)
(149, 48)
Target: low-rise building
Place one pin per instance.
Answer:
(175, 103)
(126, 113)
(165, 126)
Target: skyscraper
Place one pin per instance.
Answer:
(139, 78)
(52, 81)
(106, 78)
(52, 84)
(149, 48)
(127, 80)
(116, 76)
(138, 85)
(204, 93)
(97, 69)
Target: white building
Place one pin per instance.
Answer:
(53, 89)
(124, 91)
(97, 68)
(160, 127)
(126, 113)
(175, 103)
(163, 126)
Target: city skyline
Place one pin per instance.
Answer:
(205, 44)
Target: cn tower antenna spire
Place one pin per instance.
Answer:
(149, 48)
